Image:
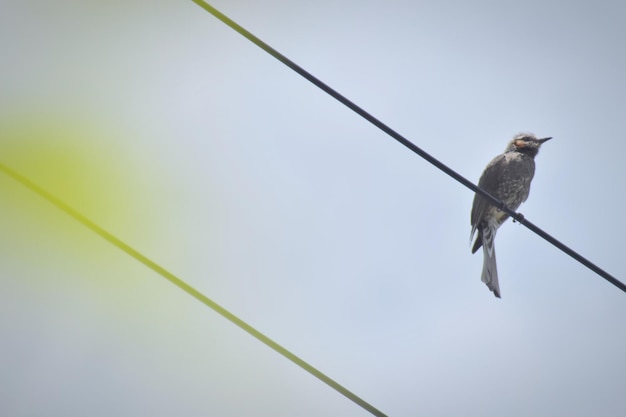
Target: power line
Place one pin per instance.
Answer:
(188, 289)
(398, 137)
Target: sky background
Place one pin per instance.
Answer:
(201, 151)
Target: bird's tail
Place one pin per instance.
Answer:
(490, 270)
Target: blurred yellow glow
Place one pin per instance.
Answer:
(73, 161)
(68, 160)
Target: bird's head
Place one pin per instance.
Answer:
(526, 143)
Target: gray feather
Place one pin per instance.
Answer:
(490, 270)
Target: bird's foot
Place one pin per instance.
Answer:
(521, 218)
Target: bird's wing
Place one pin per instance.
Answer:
(489, 182)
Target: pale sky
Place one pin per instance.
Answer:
(225, 167)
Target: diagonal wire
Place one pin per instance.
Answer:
(367, 116)
(188, 289)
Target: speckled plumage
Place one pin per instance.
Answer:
(507, 177)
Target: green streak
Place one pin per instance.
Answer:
(186, 287)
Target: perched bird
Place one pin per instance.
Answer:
(507, 177)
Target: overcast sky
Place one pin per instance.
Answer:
(225, 167)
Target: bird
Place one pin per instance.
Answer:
(507, 177)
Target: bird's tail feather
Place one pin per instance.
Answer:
(490, 270)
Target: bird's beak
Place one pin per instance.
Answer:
(544, 139)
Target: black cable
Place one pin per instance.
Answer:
(188, 288)
(496, 202)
